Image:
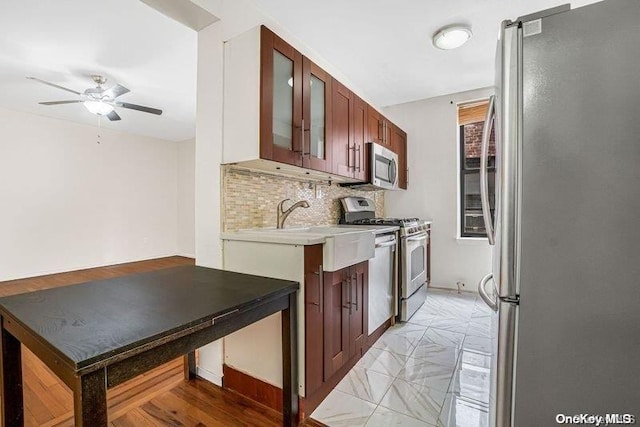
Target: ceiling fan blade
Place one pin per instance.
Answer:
(113, 116)
(53, 85)
(59, 102)
(115, 91)
(139, 108)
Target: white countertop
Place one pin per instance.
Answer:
(312, 235)
(284, 239)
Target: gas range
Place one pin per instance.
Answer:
(401, 222)
(408, 226)
(413, 251)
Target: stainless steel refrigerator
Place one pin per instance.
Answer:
(565, 285)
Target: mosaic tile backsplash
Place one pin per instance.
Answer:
(250, 200)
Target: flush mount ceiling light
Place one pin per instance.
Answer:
(452, 37)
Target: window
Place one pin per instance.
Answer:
(471, 126)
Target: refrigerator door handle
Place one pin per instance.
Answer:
(484, 176)
(493, 304)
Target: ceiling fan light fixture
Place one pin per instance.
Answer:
(452, 37)
(99, 108)
(99, 101)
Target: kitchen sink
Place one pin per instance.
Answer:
(342, 246)
(347, 248)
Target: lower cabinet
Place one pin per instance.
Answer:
(313, 315)
(335, 321)
(358, 316)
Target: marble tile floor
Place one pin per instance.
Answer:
(431, 371)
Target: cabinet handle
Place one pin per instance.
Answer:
(384, 133)
(358, 157)
(355, 279)
(381, 131)
(320, 273)
(302, 153)
(350, 303)
(349, 148)
(407, 180)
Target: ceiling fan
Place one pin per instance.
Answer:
(98, 100)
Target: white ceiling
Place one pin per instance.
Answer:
(384, 47)
(64, 41)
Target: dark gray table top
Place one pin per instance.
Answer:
(93, 321)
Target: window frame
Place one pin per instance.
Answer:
(463, 172)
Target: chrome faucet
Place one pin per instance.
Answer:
(282, 214)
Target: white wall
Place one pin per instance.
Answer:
(433, 192)
(186, 198)
(68, 202)
(208, 156)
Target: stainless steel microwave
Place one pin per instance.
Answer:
(384, 167)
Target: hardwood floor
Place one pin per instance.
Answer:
(160, 397)
(19, 286)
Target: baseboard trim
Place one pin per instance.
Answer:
(257, 390)
(209, 376)
(251, 387)
(375, 335)
(452, 288)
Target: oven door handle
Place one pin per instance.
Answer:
(386, 244)
(417, 238)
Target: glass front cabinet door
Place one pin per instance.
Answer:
(293, 106)
(280, 100)
(316, 95)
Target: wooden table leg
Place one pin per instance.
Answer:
(90, 400)
(290, 362)
(11, 375)
(190, 366)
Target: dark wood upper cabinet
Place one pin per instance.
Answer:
(375, 125)
(360, 139)
(316, 117)
(379, 131)
(342, 126)
(399, 146)
(309, 119)
(280, 100)
(349, 121)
